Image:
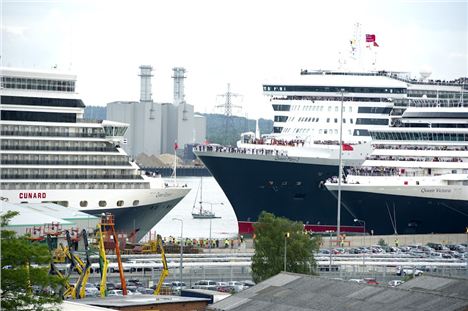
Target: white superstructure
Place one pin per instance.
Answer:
(422, 157)
(50, 154)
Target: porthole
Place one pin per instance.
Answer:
(136, 202)
(102, 203)
(120, 203)
(83, 203)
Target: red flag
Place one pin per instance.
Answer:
(370, 38)
(176, 146)
(347, 147)
(375, 44)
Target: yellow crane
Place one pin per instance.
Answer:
(55, 271)
(103, 263)
(165, 270)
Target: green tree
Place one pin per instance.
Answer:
(270, 234)
(25, 282)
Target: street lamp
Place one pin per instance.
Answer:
(211, 210)
(340, 169)
(286, 236)
(363, 238)
(181, 245)
(330, 231)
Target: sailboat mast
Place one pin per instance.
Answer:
(201, 194)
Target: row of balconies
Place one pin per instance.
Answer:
(59, 148)
(71, 176)
(52, 134)
(32, 162)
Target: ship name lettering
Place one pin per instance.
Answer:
(32, 195)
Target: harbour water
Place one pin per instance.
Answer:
(221, 228)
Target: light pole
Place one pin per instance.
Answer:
(363, 238)
(181, 246)
(330, 231)
(340, 169)
(286, 236)
(211, 210)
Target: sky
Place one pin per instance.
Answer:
(242, 42)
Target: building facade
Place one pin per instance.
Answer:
(155, 127)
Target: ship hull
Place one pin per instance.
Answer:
(283, 186)
(141, 209)
(386, 213)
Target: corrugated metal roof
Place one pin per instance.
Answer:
(59, 211)
(304, 292)
(29, 217)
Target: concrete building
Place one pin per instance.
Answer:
(155, 127)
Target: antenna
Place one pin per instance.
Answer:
(228, 106)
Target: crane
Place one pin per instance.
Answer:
(165, 270)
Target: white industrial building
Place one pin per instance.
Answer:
(155, 127)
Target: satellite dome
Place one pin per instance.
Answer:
(425, 72)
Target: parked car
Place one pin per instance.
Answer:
(371, 281)
(236, 286)
(223, 287)
(394, 283)
(205, 284)
(357, 280)
(402, 271)
(91, 290)
(114, 292)
(178, 286)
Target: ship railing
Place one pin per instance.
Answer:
(73, 176)
(431, 103)
(57, 148)
(77, 185)
(401, 76)
(424, 148)
(237, 150)
(412, 159)
(32, 162)
(51, 134)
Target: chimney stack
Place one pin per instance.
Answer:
(145, 86)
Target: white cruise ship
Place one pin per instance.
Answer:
(50, 154)
(416, 180)
(283, 173)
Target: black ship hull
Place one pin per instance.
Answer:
(290, 189)
(390, 214)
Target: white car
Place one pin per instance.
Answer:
(236, 286)
(402, 271)
(394, 283)
(205, 284)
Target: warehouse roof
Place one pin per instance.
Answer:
(288, 291)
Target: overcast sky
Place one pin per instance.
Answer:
(245, 43)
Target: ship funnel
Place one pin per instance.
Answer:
(145, 83)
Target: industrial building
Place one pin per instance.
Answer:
(156, 127)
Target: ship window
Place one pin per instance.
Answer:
(329, 108)
(120, 203)
(83, 203)
(350, 109)
(336, 120)
(344, 120)
(102, 203)
(136, 202)
(336, 108)
(298, 183)
(328, 120)
(351, 121)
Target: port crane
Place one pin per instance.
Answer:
(165, 270)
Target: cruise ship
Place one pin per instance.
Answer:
(49, 153)
(283, 173)
(416, 180)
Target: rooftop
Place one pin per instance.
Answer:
(289, 291)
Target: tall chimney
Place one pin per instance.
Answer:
(145, 84)
(179, 76)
